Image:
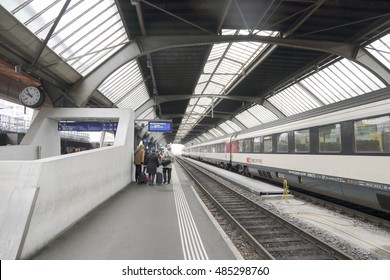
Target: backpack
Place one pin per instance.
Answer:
(166, 160)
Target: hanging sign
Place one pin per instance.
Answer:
(160, 126)
(87, 126)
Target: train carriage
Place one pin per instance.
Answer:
(344, 154)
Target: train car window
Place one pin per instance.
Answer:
(267, 144)
(256, 144)
(302, 141)
(222, 147)
(248, 145)
(372, 135)
(245, 145)
(282, 142)
(329, 138)
(240, 146)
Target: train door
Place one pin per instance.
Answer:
(231, 147)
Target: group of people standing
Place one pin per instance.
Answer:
(152, 161)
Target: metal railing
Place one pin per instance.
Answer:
(12, 124)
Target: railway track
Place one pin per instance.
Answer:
(374, 216)
(271, 236)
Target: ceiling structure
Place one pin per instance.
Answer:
(205, 65)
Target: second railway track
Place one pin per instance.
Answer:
(271, 236)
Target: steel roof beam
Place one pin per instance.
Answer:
(82, 90)
(224, 116)
(167, 98)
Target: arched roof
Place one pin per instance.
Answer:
(212, 67)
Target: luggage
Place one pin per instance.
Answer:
(142, 178)
(166, 160)
(159, 178)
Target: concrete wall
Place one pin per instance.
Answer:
(19, 152)
(70, 187)
(66, 188)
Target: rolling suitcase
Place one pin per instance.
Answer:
(142, 179)
(159, 178)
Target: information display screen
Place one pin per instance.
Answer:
(160, 126)
(87, 126)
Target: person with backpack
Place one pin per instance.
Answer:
(167, 164)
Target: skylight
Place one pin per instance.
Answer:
(381, 50)
(88, 33)
(125, 92)
(225, 64)
(341, 80)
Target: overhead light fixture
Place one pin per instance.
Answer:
(134, 2)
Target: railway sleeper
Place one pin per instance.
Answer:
(308, 257)
(233, 203)
(294, 248)
(267, 235)
(256, 224)
(249, 216)
(279, 239)
(237, 210)
(250, 222)
(237, 205)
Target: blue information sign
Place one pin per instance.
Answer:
(160, 126)
(87, 126)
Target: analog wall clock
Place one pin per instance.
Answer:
(32, 97)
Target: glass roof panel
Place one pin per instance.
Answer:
(223, 79)
(135, 98)
(207, 136)
(380, 49)
(247, 119)
(213, 88)
(229, 127)
(293, 100)
(210, 66)
(87, 34)
(216, 132)
(225, 64)
(217, 52)
(204, 79)
(125, 92)
(341, 80)
(262, 114)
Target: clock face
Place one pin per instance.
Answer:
(31, 97)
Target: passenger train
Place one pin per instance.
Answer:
(343, 154)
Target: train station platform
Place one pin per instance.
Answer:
(142, 222)
(263, 189)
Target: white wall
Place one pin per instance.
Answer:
(19, 152)
(69, 185)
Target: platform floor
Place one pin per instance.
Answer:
(260, 188)
(143, 222)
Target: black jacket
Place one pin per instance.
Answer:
(152, 163)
